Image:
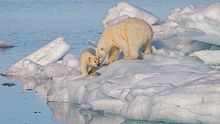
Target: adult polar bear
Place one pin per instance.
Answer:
(128, 35)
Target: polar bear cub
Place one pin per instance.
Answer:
(128, 35)
(88, 62)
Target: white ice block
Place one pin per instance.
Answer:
(49, 53)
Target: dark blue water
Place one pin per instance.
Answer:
(30, 24)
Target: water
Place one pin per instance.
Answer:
(30, 24)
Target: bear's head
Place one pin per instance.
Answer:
(92, 61)
(101, 53)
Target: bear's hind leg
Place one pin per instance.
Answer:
(134, 52)
(147, 49)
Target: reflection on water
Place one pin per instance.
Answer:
(72, 114)
(40, 86)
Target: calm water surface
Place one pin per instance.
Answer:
(30, 24)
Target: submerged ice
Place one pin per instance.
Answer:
(3, 44)
(177, 83)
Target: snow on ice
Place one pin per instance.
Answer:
(177, 83)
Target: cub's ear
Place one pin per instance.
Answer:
(93, 43)
(96, 51)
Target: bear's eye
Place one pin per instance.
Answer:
(89, 58)
(102, 49)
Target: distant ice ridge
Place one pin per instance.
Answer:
(191, 18)
(205, 18)
(124, 10)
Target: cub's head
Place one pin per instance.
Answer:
(92, 61)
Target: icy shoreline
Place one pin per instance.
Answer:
(176, 83)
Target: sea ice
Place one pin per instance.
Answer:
(166, 86)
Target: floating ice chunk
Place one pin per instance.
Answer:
(3, 44)
(45, 55)
(140, 93)
(208, 56)
(124, 10)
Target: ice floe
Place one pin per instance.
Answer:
(174, 84)
(146, 90)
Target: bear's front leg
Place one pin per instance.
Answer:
(113, 56)
(92, 71)
(84, 71)
(123, 45)
(126, 51)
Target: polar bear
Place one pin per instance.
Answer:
(88, 62)
(128, 35)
